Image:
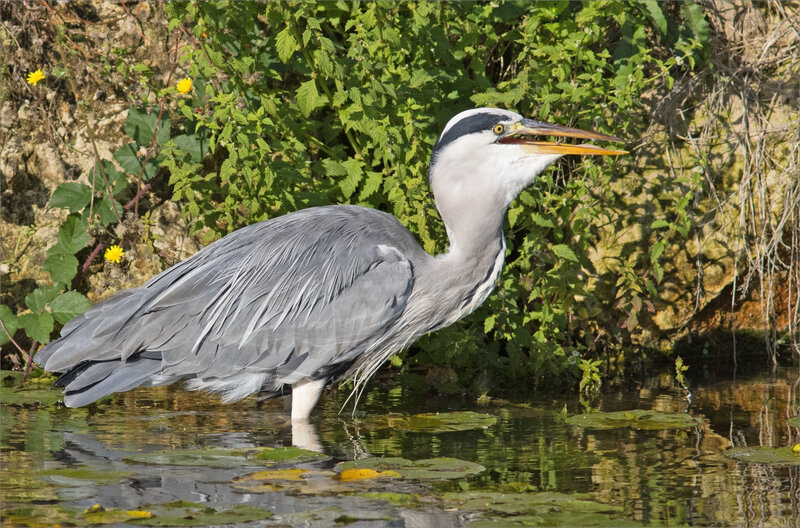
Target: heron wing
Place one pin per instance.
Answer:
(298, 296)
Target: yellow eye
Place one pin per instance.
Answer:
(499, 129)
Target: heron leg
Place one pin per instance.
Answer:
(305, 395)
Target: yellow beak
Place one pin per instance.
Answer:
(524, 132)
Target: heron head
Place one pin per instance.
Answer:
(489, 153)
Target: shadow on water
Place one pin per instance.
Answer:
(167, 457)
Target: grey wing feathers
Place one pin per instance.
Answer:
(298, 296)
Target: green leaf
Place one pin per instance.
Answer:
(542, 220)
(513, 215)
(73, 196)
(116, 179)
(563, 251)
(130, 161)
(106, 214)
(656, 250)
(11, 323)
(659, 224)
(308, 97)
(193, 145)
(38, 298)
(72, 236)
(654, 13)
(695, 18)
(38, 326)
(141, 126)
(285, 44)
(62, 267)
(68, 305)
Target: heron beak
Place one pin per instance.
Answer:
(525, 133)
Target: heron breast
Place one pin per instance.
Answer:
(485, 287)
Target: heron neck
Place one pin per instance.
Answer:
(472, 236)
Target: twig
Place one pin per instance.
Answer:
(97, 249)
(11, 338)
(29, 363)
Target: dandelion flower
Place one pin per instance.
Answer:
(35, 77)
(185, 85)
(114, 253)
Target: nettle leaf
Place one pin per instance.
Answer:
(563, 251)
(62, 267)
(349, 183)
(11, 322)
(38, 326)
(38, 298)
(285, 44)
(308, 97)
(68, 305)
(72, 196)
(542, 220)
(371, 185)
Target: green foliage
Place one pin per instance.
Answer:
(307, 104)
(591, 381)
(680, 371)
(92, 209)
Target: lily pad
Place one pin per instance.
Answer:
(288, 454)
(764, 455)
(351, 475)
(635, 419)
(30, 396)
(99, 515)
(82, 476)
(183, 513)
(400, 499)
(224, 458)
(283, 479)
(36, 391)
(534, 509)
(428, 469)
(433, 422)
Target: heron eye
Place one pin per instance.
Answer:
(499, 129)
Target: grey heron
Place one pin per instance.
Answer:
(321, 294)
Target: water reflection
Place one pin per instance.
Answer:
(659, 477)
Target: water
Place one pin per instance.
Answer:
(57, 462)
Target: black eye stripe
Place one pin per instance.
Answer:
(469, 125)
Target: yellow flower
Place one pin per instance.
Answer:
(114, 253)
(35, 77)
(796, 448)
(185, 85)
